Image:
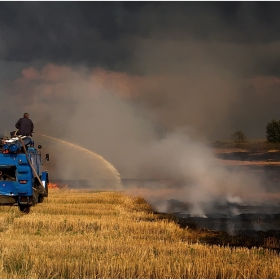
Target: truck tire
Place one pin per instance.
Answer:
(24, 208)
(40, 198)
(35, 198)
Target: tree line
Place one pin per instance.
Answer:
(272, 133)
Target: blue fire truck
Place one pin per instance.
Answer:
(21, 181)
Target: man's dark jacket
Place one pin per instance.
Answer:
(25, 127)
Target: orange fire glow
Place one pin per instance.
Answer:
(57, 186)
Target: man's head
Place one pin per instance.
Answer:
(26, 115)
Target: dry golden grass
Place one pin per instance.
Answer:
(84, 234)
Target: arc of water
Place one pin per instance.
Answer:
(108, 164)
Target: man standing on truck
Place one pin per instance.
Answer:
(24, 126)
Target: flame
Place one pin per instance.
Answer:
(52, 186)
(57, 186)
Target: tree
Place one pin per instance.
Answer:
(239, 137)
(273, 131)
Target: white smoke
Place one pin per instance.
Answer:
(77, 107)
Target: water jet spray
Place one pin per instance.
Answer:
(108, 164)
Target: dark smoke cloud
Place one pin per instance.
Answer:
(205, 52)
(105, 33)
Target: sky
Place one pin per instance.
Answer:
(137, 82)
(209, 65)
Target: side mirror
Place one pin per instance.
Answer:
(47, 157)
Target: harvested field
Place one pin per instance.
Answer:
(87, 234)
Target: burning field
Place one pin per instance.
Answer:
(170, 167)
(237, 193)
(252, 212)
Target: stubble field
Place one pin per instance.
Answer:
(86, 234)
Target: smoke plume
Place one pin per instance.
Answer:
(96, 110)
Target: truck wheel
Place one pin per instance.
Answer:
(35, 198)
(40, 198)
(24, 208)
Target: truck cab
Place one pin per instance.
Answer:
(22, 183)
